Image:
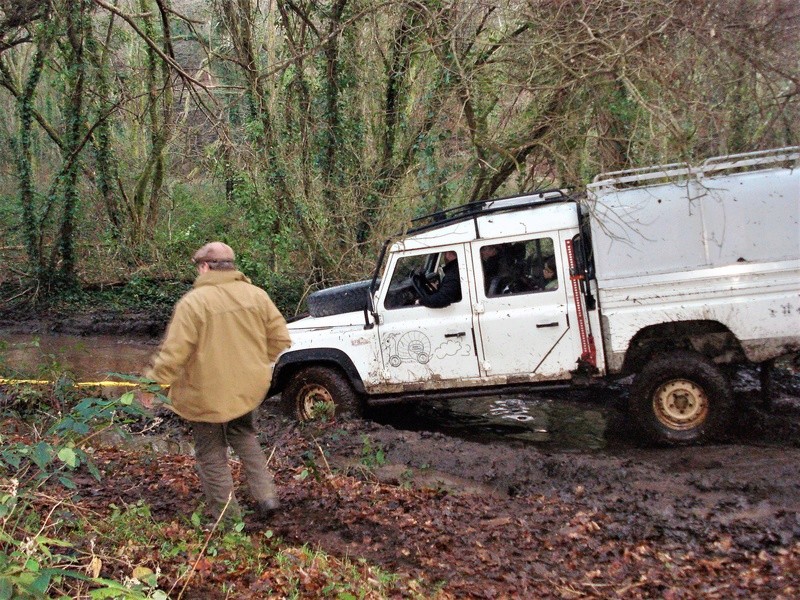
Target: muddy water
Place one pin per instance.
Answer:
(561, 420)
(564, 420)
(89, 358)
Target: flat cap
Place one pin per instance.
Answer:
(214, 252)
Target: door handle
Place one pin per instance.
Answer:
(541, 325)
(455, 335)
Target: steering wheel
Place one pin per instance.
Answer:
(420, 284)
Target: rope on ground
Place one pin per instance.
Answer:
(77, 384)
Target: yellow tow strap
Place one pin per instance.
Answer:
(80, 384)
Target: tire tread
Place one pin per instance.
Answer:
(687, 365)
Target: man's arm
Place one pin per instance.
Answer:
(178, 345)
(449, 291)
(278, 338)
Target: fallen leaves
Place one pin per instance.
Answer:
(465, 545)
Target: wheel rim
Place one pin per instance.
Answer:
(680, 404)
(309, 397)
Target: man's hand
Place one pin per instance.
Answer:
(145, 398)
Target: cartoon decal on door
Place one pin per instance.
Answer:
(414, 346)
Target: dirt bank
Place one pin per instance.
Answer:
(99, 321)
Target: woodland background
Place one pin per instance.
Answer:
(305, 132)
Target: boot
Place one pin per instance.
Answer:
(267, 508)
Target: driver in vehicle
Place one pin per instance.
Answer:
(449, 289)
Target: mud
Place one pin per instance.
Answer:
(507, 517)
(505, 464)
(748, 486)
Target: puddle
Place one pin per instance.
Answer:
(558, 422)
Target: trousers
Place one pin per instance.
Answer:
(211, 442)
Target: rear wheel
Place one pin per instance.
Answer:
(320, 393)
(681, 397)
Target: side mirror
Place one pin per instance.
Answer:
(369, 309)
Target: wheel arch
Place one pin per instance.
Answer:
(291, 362)
(710, 338)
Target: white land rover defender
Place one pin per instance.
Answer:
(669, 273)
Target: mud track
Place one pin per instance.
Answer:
(507, 518)
(510, 518)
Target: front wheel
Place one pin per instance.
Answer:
(680, 398)
(320, 393)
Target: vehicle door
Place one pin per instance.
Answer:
(421, 344)
(522, 307)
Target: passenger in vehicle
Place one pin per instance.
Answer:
(449, 289)
(549, 274)
(512, 273)
(490, 259)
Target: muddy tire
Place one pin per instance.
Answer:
(350, 297)
(318, 393)
(681, 398)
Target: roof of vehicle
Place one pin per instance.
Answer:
(471, 210)
(493, 219)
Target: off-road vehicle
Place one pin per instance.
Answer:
(670, 274)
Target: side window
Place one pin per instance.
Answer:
(401, 291)
(418, 278)
(519, 267)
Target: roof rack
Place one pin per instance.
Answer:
(675, 171)
(483, 207)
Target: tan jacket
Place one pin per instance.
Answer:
(219, 349)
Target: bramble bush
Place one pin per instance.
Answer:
(32, 563)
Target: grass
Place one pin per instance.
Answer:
(129, 555)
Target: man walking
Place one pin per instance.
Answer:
(217, 357)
